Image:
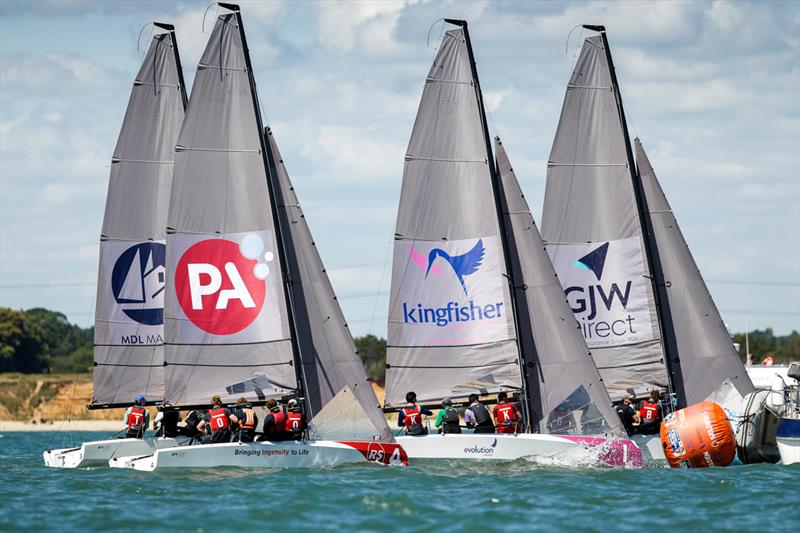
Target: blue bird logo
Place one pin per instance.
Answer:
(462, 265)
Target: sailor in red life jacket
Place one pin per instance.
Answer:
(506, 415)
(137, 419)
(274, 423)
(295, 421)
(650, 415)
(412, 416)
(246, 420)
(217, 422)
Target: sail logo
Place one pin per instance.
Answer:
(137, 283)
(220, 284)
(606, 290)
(437, 263)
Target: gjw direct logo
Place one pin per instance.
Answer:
(439, 264)
(220, 284)
(137, 283)
(591, 299)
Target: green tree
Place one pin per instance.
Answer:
(373, 354)
(21, 343)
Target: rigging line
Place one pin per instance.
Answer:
(380, 284)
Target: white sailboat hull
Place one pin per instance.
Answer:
(98, 453)
(789, 449)
(652, 449)
(291, 454)
(507, 447)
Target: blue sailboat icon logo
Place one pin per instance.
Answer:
(137, 283)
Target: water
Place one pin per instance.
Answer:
(438, 496)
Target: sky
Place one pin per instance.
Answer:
(711, 88)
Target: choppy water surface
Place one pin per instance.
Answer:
(449, 496)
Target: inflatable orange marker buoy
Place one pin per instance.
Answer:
(698, 436)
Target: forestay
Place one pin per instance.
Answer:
(706, 359)
(129, 323)
(227, 327)
(593, 232)
(566, 393)
(331, 367)
(451, 329)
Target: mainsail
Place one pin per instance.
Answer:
(227, 328)
(612, 253)
(129, 352)
(330, 363)
(706, 361)
(565, 391)
(451, 323)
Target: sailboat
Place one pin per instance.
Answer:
(475, 304)
(249, 309)
(129, 350)
(627, 272)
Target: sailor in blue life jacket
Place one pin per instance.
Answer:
(477, 416)
(217, 422)
(628, 415)
(447, 420)
(137, 419)
(295, 421)
(246, 420)
(412, 416)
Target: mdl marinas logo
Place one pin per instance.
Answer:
(137, 283)
(221, 283)
(606, 289)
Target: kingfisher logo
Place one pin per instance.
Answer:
(437, 265)
(481, 450)
(220, 284)
(606, 289)
(137, 283)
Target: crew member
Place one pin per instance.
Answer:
(447, 420)
(166, 421)
(506, 414)
(295, 421)
(275, 422)
(477, 416)
(193, 426)
(137, 419)
(411, 417)
(247, 420)
(218, 419)
(650, 415)
(628, 414)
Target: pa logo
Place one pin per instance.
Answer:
(137, 283)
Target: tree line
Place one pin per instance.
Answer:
(39, 341)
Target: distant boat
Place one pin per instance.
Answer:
(129, 326)
(249, 309)
(475, 305)
(643, 306)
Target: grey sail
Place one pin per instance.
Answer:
(451, 324)
(593, 231)
(706, 359)
(227, 330)
(330, 363)
(129, 327)
(565, 392)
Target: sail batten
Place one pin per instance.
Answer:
(128, 350)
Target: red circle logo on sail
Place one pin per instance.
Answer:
(218, 288)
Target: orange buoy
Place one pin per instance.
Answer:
(698, 436)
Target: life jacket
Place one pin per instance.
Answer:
(649, 413)
(481, 414)
(279, 417)
(249, 422)
(413, 420)
(294, 422)
(219, 418)
(450, 421)
(506, 419)
(136, 419)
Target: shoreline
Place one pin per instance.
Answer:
(13, 426)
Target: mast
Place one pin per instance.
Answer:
(171, 30)
(266, 156)
(498, 209)
(651, 252)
